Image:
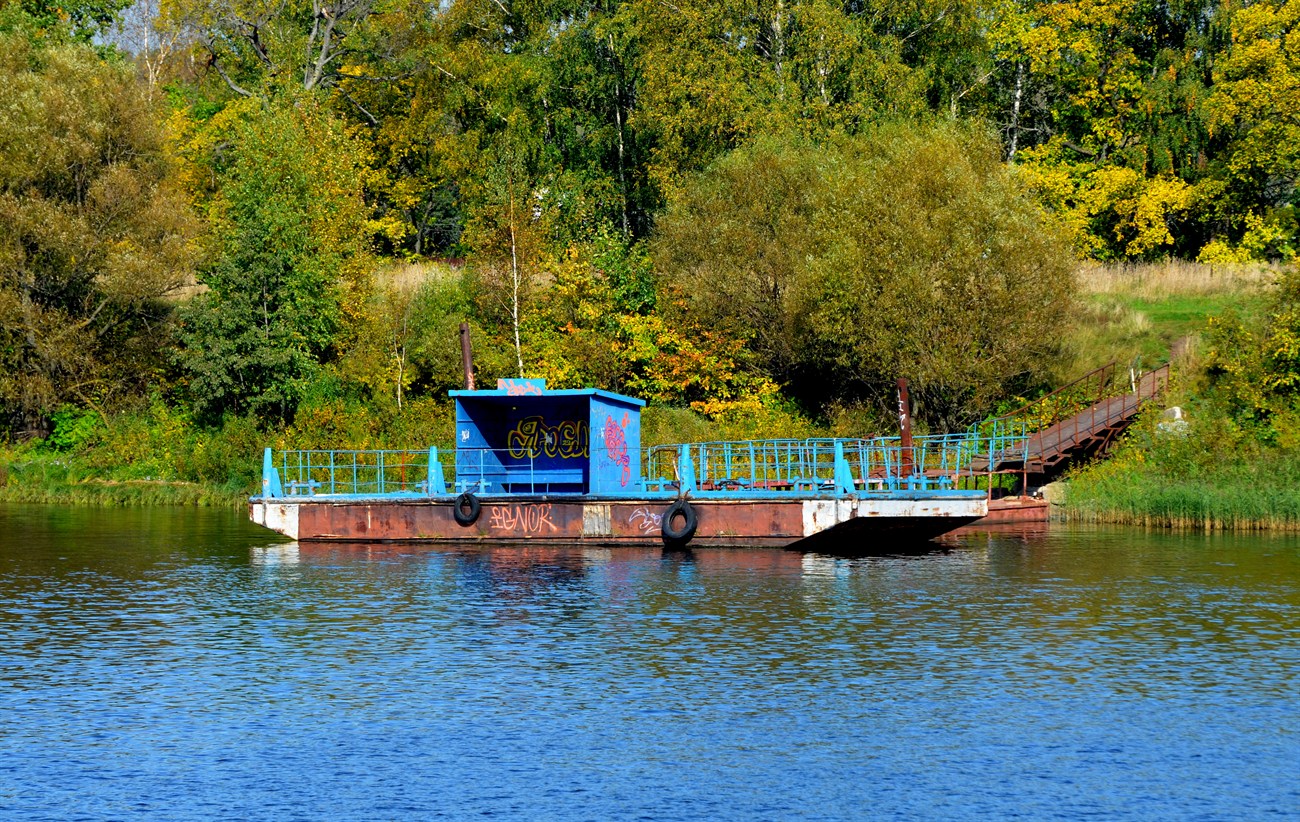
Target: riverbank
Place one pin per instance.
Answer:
(1189, 504)
(56, 481)
(1234, 466)
(1233, 463)
(1207, 473)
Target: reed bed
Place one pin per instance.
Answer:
(1187, 506)
(1195, 482)
(59, 482)
(126, 494)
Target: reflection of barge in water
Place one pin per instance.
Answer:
(541, 465)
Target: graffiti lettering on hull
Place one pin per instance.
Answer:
(645, 519)
(527, 519)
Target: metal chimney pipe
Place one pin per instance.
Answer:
(466, 356)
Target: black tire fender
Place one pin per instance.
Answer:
(671, 533)
(466, 517)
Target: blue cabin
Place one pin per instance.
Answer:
(523, 438)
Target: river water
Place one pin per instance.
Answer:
(183, 664)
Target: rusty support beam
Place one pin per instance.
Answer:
(904, 430)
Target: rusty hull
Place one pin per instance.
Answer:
(1016, 509)
(730, 523)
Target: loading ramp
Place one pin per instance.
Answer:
(1076, 422)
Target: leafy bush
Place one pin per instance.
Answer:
(291, 272)
(74, 429)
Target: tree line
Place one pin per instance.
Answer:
(727, 206)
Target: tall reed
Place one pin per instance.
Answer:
(1213, 475)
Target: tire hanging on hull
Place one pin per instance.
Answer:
(674, 536)
(465, 517)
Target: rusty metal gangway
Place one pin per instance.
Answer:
(1077, 421)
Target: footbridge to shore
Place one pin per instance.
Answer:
(1076, 422)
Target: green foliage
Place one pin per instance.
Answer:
(95, 232)
(599, 327)
(667, 425)
(1253, 369)
(349, 423)
(907, 252)
(261, 49)
(1152, 128)
(78, 21)
(74, 429)
(1255, 95)
(290, 268)
(150, 454)
(409, 342)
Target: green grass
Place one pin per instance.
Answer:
(1139, 313)
(1186, 314)
(1178, 316)
(1215, 476)
(1225, 502)
(65, 481)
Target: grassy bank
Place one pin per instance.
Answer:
(52, 482)
(1236, 497)
(1210, 474)
(98, 473)
(1145, 312)
(1235, 464)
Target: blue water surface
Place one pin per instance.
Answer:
(174, 664)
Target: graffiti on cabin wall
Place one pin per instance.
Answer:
(522, 388)
(645, 519)
(534, 437)
(616, 445)
(526, 519)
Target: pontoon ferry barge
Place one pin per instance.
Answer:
(567, 466)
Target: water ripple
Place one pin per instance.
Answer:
(172, 664)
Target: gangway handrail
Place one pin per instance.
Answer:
(1104, 373)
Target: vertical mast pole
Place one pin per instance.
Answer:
(466, 357)
(904, 431)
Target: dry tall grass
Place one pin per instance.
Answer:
(407, 277)
(1156, 281)
(1151, 312)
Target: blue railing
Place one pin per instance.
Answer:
(847, 465)
(759, 467)
(998, 442)
(378, 473)
(408, 472)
